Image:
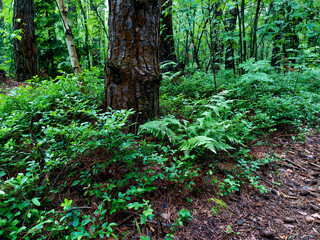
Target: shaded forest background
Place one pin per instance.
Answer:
(207, 34)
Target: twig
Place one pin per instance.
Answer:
(313, 164)
(286, 196)
(73, 209)
(29, 206)
(297, 165)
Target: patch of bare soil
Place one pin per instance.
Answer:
(8, 84)
(290, 210)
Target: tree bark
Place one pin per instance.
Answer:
(229, 58)
(167, 49)
(132, 69)
(25, 50)
(69, 37)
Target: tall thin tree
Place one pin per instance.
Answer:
(25, 50)
(167, 49)
(1, 17)
(69, 37)
(232, 24)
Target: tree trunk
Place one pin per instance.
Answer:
(243, 31)
(214, 35)
(132, 69)
(25, 50)
(254, 32)
(167, 49)
(229, 58)
(87, 43)
(1, 18)
(69, 37)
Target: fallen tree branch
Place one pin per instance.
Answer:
(297, 165)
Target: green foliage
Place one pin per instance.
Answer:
(184, 216)
(54, 138)
(211, 130)
(219, 205)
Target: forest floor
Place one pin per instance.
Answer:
(6, 84)
(290, 209)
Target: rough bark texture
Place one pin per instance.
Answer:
(69, 37)
(132, 69)
(167, 50)
(25, 50)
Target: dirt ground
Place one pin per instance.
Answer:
(290, 210)
(6, 84)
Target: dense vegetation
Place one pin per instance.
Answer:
(69, 170)
(57, 145)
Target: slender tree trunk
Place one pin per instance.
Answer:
(87, 43)
(254, 32)
(2, 18)
(96, 35)
(69, 37)
(133, 66)
(276, 49)
(96, 11)
(167, 49)
(229, 58)
(51, 53)
(2, 72)
(243, 31)
(216, 44)
(240, 34)
(25, 50)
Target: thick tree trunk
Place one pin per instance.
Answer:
(167, 50)
(69, 38)
(25, 50)
(232, 23)
(132, 69)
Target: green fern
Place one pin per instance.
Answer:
(206, 142)
(162, 128)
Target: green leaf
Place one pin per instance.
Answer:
(36, 201)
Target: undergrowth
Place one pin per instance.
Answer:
(69, 171)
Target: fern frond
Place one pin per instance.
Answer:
(162, 128)
(204, 141)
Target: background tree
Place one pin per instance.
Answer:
(69, 37)
(1, 17)
(25, 50)
(132, 69)
(231, 26)
(167, 49)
